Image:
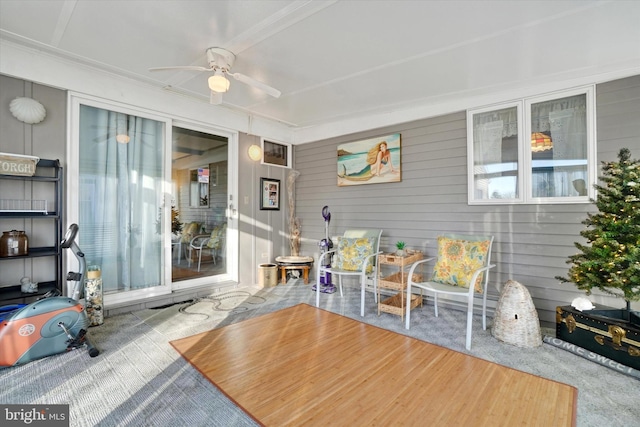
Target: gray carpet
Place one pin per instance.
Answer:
(140, 380)
(204, 314)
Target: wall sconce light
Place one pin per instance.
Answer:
(218, 82)
(255, 152)
(27, 110)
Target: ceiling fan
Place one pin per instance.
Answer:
(220, 62)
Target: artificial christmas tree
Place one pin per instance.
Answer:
(609, 262)
(612, 262)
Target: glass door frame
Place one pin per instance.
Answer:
(231, 212)
(75, 100)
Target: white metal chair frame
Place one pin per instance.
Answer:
(199, 243)
(441, 288)
(177, 243)
(362, 273)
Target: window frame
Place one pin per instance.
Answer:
(524, 162)
(471, 154)
(286, 159)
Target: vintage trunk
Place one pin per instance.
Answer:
(602, 331)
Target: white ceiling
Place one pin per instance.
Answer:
(336, 62)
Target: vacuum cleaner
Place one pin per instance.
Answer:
(53, 324)
(325, 246)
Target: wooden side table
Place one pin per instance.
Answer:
(398, 281)
(294, 263)
(304, 267)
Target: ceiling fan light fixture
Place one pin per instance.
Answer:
(123, 138)
(218, 82)
(220, 62)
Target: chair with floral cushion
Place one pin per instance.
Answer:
(357, 256)
(461, 269)
(211, 243)
(189, 231)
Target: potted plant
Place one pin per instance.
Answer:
(610, 261)
(400, 248)
(176, 225)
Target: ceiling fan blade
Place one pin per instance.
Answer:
(257, 84)
(183, 67)
(215, 98)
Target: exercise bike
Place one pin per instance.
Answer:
(53, 324)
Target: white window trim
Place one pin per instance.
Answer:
(589, 91)
(470, 154)
(525, 171)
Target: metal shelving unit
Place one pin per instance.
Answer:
(33, 210)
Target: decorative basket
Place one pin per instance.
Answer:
(395, 281)
(397, 303)
(409, 258)
(13, 205)
(516, 320)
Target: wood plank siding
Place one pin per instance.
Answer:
(532, 242)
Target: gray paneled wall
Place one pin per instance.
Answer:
(532, 242)
(46, 140)
(263, 233)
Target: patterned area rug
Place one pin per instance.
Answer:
(203, 313)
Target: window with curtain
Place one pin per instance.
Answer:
(120, 194)
(495, 154)
(537, 150)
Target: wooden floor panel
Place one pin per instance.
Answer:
(306, 366)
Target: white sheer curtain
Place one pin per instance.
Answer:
(508, 118)
(120, 193)
(495, 165)
(565, 120)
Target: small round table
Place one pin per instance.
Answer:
(303, 263)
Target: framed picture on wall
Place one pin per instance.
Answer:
(276, 153)
(370, 161)
(269, 194)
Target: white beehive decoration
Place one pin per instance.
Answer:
(516, 320)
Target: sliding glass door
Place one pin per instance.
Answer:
(153, 199)
(120, 197)
(199, 194)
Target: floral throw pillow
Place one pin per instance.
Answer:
(352, 253)
(458, 259)
(190, 231)
(216, 235)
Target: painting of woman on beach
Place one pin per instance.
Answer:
(370, 161)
